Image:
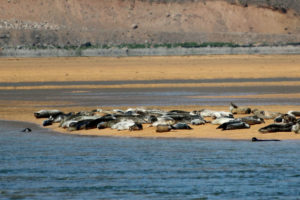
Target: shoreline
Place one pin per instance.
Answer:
(160, 51)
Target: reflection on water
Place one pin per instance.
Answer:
(45, 165)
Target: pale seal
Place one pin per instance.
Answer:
(47, 113)
(163, 128)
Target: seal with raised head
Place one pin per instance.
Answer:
(234, 109)
(26, 130)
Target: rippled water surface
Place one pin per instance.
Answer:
(46, 165)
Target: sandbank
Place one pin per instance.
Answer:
(22, 73)
(207, 131)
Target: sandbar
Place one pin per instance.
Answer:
(22, 71)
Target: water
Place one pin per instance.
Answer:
(47, 165)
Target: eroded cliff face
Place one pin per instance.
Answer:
(75, 22)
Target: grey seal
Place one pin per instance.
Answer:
(26, 130)
(181, 125)
(234, 109)
(47, 113)
(233, 125)
(276, 128)
(265, 114)
(285, 118)
(254, 139)
(252, 120)
(295, 113)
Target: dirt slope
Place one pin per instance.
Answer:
(75, 22)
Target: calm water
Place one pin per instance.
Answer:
(45, 165)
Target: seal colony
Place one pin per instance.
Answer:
(136, 119)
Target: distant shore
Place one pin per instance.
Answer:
(160, 51)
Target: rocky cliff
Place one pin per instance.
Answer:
(75, 22)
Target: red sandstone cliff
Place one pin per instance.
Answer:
(74, 22)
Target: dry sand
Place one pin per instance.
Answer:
(150, 68)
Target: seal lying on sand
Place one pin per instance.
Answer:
(285, 118)
(214, 114)
(126, 125)
(254, 139)
(252, 120)
(163, 128)
(265, 114)
(164, 120)
(276, 128)
(198, 121)
(296, 128)
(233, 125)
(223, 120)
(181, 126)
(234, 109)
(47, 113)
(294, 113)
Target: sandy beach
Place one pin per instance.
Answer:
(26, 85)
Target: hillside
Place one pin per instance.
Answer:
(76, 22)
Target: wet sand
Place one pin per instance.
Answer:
(197, 82)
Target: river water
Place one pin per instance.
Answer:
(47, 165)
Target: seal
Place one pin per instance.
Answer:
(265, 114)
(47, 113)
(123, 125)
(198, 121)
(296, 128)
(164, 120)
(223, 120)
(163, 128)
(234, 109)
(293, 112)
(285, 118)
(254, 139)
(136, 127)
(102, 125)
(215, 114)
(276, 128)
(233, 125)
(252, 120)
(26, 130)
(181, 125)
